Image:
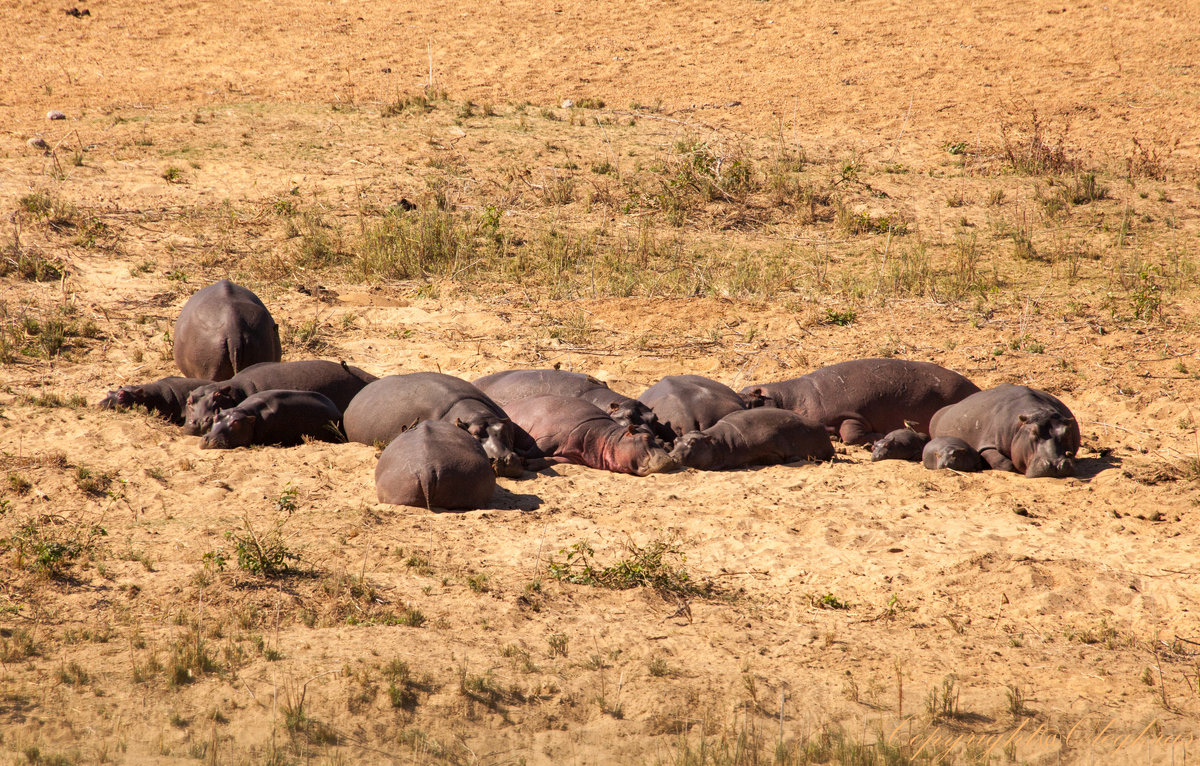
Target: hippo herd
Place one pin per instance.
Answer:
(444, 439)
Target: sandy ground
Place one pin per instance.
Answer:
(929, 617)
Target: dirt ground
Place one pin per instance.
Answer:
(745, 191)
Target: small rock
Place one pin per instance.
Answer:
(54, 114)
(732, 104)
(39, 143)
(78, 13)
(567, 103)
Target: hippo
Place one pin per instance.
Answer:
(337, 382)
(950, 452)
(902, 444)
(571, 430)
(1014, 428)
(510, 385)
(165, 397)
(223, 329)
(435, 464)
(685, 403)
(763, 436)
(275, 417)
(861, 400)
(382, 410)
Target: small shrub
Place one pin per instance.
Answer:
(659, 565)
(51, 545)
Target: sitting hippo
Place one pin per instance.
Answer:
(571, 430)
(391, 404)
(952, 453)
(223, 329)
(685, 403)
(275, 417)
(337, 382)
(1014, 428)
(166, 397)
(902, 444)
(861, 400)
(764, 436)
(435, 465)
(509, 386)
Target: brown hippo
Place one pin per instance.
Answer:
(763, 436)
(337, 382)
(382, 410)
(435, 465)
(952, 453)
(510, 385)
(902, 444)
(861, 400)
(223, 329)
(571, 430)
(685, 403)
(275, 417)
(166, 397)
(1014, 428)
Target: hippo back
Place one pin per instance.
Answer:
(383, 409)
(223, 329)
(685, 403)
(764, 436)
(435, 465)
(512, 385)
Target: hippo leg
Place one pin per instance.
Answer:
(996, 460)
(856, 431)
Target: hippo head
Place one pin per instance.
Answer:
(634, 413)
(694, 450)
(637, 452)
(901, 444)
(757, 397)
(1045, 445)
(231, 428)
(497, 437)
(202, 408)
(126, 396)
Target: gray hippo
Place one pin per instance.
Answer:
(902, 444)
(435, 465)
(510, 385)
(275, 417)
(763, 436)
(382, 410)
(861, 400)
(685, 403)
(165, 397)
(223, 329)
(1014, 428)
(338, 382)
(952, 453)
(571, 430)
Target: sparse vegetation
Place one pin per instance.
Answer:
(660, 564)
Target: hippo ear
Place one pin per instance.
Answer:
(613, 406)
(462, 424)
(1023, 418)
(911, 425)
(631, 429)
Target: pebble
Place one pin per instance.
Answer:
(38, 143)
(54, 114)
(567, 103)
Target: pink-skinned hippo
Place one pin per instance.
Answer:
(1014, 428)
(953, 453)
(165, 397)
(223, 329)
(570, 430)
(275, 417)
(435, 465)
(861, 400)
(902, 444)
(685, 403)
(510, 385)
(762, 436)
(384, 409)
(338, 382)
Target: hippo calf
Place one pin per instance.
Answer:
(764, 436)
(685, 403)
(435, 465)
(574, 431)
(861, 400)
(275, 417)
(223, 329)
(901, 444)
(165, 397)
(952, 453)
(337, 382)
(385, 408)
(1014, 428)
(510, 385)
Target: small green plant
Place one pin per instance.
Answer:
(828, 601)
(841, 318)
(173, 175)
(557, 643)
(659, 564)
(51, 545)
